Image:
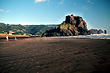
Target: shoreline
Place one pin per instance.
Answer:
(65, 37)
(92, 36)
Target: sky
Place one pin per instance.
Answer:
(96, 13)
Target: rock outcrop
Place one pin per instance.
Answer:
(95, 31)
(105, 31)
(73, 25)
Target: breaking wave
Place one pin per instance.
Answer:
(93, 36)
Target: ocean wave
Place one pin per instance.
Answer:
(94, 36)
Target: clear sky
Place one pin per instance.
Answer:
(96, 13)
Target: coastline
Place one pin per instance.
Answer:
(94, 36)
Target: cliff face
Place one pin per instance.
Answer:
(76, 20)
(73, 25)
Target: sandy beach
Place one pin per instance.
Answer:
(54, 55)
(3, 36)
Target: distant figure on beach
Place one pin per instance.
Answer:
(15, 38)
(6, 38)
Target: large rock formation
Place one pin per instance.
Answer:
(73, 25)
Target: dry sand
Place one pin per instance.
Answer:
(3, 36)
(55, 55)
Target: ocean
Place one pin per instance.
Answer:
(93, 36)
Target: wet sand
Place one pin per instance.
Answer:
(55, 55)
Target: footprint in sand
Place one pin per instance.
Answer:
(19, 69)
(8, 64)
(11, 61)
(11, 68)
(15, 64)
(32, 60)
(38, 66)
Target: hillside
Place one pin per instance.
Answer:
(25, 29)
(73, 25)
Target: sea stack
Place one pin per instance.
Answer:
(73, 25)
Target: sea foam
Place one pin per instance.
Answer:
(92, 36)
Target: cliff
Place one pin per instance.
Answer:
(73, 25)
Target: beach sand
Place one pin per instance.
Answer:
(3, 36)
(55, 55)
